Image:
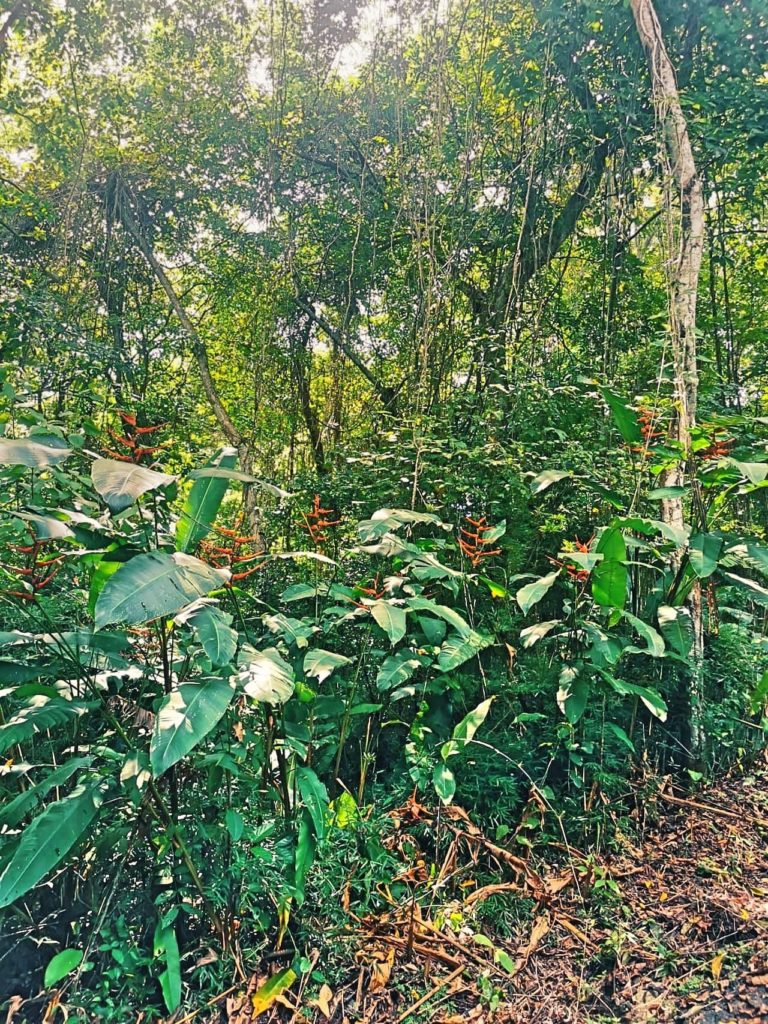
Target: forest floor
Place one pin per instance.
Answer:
(671, 926)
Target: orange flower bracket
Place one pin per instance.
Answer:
(474, 544)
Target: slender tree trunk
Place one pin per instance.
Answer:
(683, 292)
(226, 424)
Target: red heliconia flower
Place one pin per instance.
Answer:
(473, 544)
(130, 439)
(36, 572)
(223, 556)
(577, 575)
(315, 524)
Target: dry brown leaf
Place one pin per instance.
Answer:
(15, 1004)
(323, 1001)
(540, 928)
(716, 966)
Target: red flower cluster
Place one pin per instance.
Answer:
(719, 448)
(37, 572)
(133, 439)
(472, 543)
(578, 575)
(223, 556)
(315, 524)
(648, 420)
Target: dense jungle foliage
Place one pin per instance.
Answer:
(349, 454)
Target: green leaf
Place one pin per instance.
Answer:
(648, 527)
(658, 493)
(611, 544)
(15, 810)
(61, 965)
(213, 627)
(532, 634)
(48, 839)
(758, 698)
(704, 551)
(22, 452)
(166, 945)
(235, 824)
(321, 664)
(391, 619)
(396, 669)
(609, 584)
(46, 527)
(572, 693)
(620, 735)
(315, 797)
(676, 628)
(547, 478)
(444, 782)
(456, 650)
(186, 716)
(755, 590)
(203, 502)
(265, 676)
(153, 585)
(387, 520)
(755, 472)
(655, 642)
(423, 604)
(121, 483)
(624, 417)
(652, 700)
(41, 714)
(532, 593)
(464, 732)
(265, 996)
(219, 473)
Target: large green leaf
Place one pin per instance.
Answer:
(315, 797)
(186, 716)
(23, 452)
(652, 700)
(396, 669)
(548, 477)
(704, 551)
(457, 649)
(423, 604)
(676, 628)
(44, 713)
(572, 693)
(387, 520)
(15, 810)
(624, 417)
(609, 584)
(61, 965)
(265, 676)
(203, 501)
(655, 642)
(391, 619)
(121, 483)
(444, 782)
(464, 732)
(532, 593)
(48, 839)
(155, 584)
(321, 664)
(213, 627)
(166, 945)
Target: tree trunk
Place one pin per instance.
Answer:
(683, 289)
(228, 428)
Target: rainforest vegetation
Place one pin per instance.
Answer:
(383, 509)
